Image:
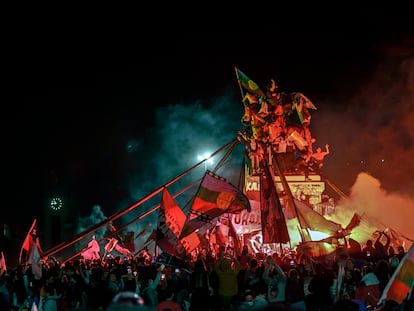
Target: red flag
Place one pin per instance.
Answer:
(187, 244)
(174, 216)
(29, 241)
(92, 252)
(122, 250)
(3, 262)
(110, 245)
(274, 227)
(170, 224)
(355, 221)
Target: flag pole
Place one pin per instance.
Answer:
(20, 256)
(119, 214)
(238, 81)
(225, 157)
(155, 208)
(26, 239)
(145, 214)
(335, 188)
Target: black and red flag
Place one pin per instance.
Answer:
(274, 227)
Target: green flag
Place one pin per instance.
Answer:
(249, 84)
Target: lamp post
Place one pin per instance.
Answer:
(206, 158)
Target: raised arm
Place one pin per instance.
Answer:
(327, 149)
(387, 244)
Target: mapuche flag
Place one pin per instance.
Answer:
(214, 197)
(249, 84)
(401, 284)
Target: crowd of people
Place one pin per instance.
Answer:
(225, 281)
(277, 124)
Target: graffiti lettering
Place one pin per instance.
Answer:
(252, 186)
(246, 218)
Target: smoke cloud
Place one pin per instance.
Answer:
(370, 133)
(373, 130)
(379, 210)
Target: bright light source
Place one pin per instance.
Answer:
(205, 156)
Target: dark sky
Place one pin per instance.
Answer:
(106, 121)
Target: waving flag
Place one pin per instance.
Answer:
(3, 262)
(122, 250)
(110, 245)
(29, 241)
(301, 100)
(35, 260)
(174, 216)
(214, 197)
(401, 283)
(249, 84)
(274, 227)
(170, 224)
(354, 222)
(309, 218)
(92, 252)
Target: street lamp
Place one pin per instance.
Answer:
(206, 158)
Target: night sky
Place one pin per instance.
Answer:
(105, 122)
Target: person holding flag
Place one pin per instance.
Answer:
(29, 241)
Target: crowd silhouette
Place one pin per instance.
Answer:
(225, 281)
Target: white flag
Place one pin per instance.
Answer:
(36, 261)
